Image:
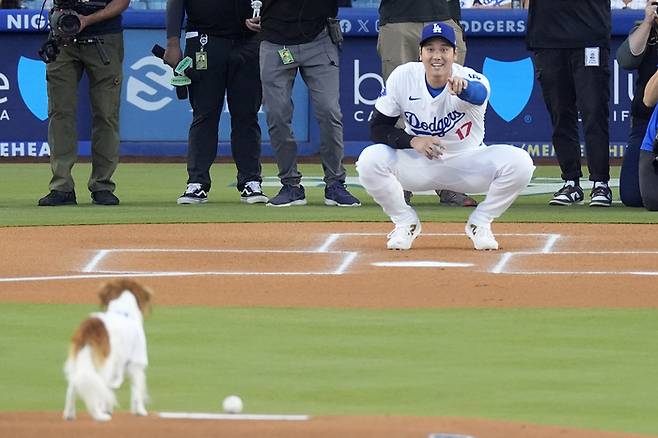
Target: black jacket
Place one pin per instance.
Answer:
(220, 18)
(568, 24)
(418, 11)
(295, 21)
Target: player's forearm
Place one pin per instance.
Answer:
(475, 93)
(383, 130)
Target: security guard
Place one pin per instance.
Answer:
(224, 56)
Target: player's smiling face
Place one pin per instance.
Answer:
(437, 55)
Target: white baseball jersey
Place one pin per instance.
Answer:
(458, 124)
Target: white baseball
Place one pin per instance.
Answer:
(232, 404)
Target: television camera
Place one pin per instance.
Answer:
(64, 23)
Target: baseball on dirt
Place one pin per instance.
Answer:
(232, 404)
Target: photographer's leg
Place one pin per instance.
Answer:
(105, 95)
(62, 77)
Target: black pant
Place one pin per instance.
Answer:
(649, 180)
(568, 86)
(233, 69)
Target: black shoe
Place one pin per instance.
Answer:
(337, 194)
(104, 197)
(601, 196)
(195, 193)
(252, 193)
(569, 194)
(289, 195)
(55, 198)
(407, 196)
(455, 199)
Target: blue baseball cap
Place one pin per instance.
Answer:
(440, 30)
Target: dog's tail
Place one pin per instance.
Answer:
(90, 348)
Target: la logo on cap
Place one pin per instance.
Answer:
(437, 28)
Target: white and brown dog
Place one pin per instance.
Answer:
(107, 346)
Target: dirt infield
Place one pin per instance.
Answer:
(326, 265)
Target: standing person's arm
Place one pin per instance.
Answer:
(637, 41)
(174, 19)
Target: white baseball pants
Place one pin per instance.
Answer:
(501, 171)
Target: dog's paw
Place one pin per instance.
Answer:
(68, 416)
(101, 416)
(140, 411)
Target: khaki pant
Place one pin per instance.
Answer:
(63, 77)
(398, 44)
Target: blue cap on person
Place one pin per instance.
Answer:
(441, 30)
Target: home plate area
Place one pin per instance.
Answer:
(358, 252)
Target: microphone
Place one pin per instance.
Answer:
(256, 5)
(159, 51)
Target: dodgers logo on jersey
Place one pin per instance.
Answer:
(439, 126)
(511, 85)
(32, 86)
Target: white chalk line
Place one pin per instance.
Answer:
(92, 272)
(421, 264)
(233, 417)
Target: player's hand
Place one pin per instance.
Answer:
(456, 85)
(429, 146)
(253, 24)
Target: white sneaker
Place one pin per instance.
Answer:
(403, 236)
(482, 237)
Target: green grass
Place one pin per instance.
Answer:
(148, 194)
(592, 368)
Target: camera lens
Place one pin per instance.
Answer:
(69, 24)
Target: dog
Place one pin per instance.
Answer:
(107, 346)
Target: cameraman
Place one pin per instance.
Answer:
(100, 31)
(639, 52)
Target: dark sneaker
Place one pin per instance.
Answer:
(287, 196)
(568, 195)
(104, 197)
(55, 198)
(407, 196)
(601, 196)
(194, 194)
(252, 193)
(337, 194)
(455, 199)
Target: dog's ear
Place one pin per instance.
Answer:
(143, 295)
(108, 292)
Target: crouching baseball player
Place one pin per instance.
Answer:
(441, 147)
